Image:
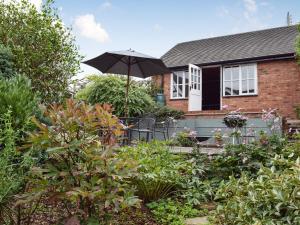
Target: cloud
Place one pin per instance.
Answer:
(89, 28)
(106, 5)
(250, 5)
(223, 11)
(157, 27)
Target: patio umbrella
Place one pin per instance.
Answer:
(128, 63)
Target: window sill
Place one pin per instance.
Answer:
(178, 99)
(238, 96)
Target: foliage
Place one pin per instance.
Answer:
(44, 49)
(151, 86)
(271, 198)
(297, 46)
(160, 172)
(172, 212)
(79, 164)
(185, 138)
(7, 69)
(13, 169)
(111, 89)
(235, 119)
(16, 95)
(162, 113)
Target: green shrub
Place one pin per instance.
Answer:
(17, 96)
(79, 166)
(271, 198)
(172, 212)
(185, 138)
(13, 171)
(7, 68)
(111, 89)
(162, 113)
(160, 172)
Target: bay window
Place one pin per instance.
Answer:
(240, 80)
(179, 84)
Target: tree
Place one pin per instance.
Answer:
(43, 47)
(111, 89)
(7, 68)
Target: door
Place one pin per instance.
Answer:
(195, 84)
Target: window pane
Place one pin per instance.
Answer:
(174, 78)
(244, 72)
(227, 73)
(186, 78)
(251, 71)
(227, 87)
(174, 94)
(235, 73)
(244, 87)
(180, 91)
(251, 84)
(187, 91)
(180, 78)
(235, 88)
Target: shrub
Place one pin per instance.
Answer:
(111, 89)
(172, 212)
(43, 47)
(162, 113)
(13, 170)
(160, 172)
(185, 138)
(7, 68)
(16, 95)
(271, 198)
(78, 165)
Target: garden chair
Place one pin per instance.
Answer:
(144, 125)
(164, 127)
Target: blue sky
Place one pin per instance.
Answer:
(154, 26)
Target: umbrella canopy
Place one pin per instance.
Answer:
(128, 63)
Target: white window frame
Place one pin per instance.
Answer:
(240, 80)
(186, 75)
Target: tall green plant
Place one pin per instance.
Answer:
(160, 172)
(111, 89)
(13, 171)
(7, 68)
(43, 47)
(17, 96)
(78, 167)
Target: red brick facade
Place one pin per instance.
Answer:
(278, 87)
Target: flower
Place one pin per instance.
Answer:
(225, 106)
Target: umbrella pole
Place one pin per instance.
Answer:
(127, 89)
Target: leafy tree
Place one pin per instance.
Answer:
(7, 68)
(44, 49)
(111, 89)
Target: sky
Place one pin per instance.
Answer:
(154, 26)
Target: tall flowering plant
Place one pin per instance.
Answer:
(272, 120)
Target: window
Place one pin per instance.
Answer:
(240, 80)
(179, 84)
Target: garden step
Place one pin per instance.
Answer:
(196, 221)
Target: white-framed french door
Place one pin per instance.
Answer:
(195, 85)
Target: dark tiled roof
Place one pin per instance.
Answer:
(243, 46)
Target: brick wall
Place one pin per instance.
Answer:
(278, 87)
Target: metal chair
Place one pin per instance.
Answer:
(143, 126)
(163, 127)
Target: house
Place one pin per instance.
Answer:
(252, 71)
